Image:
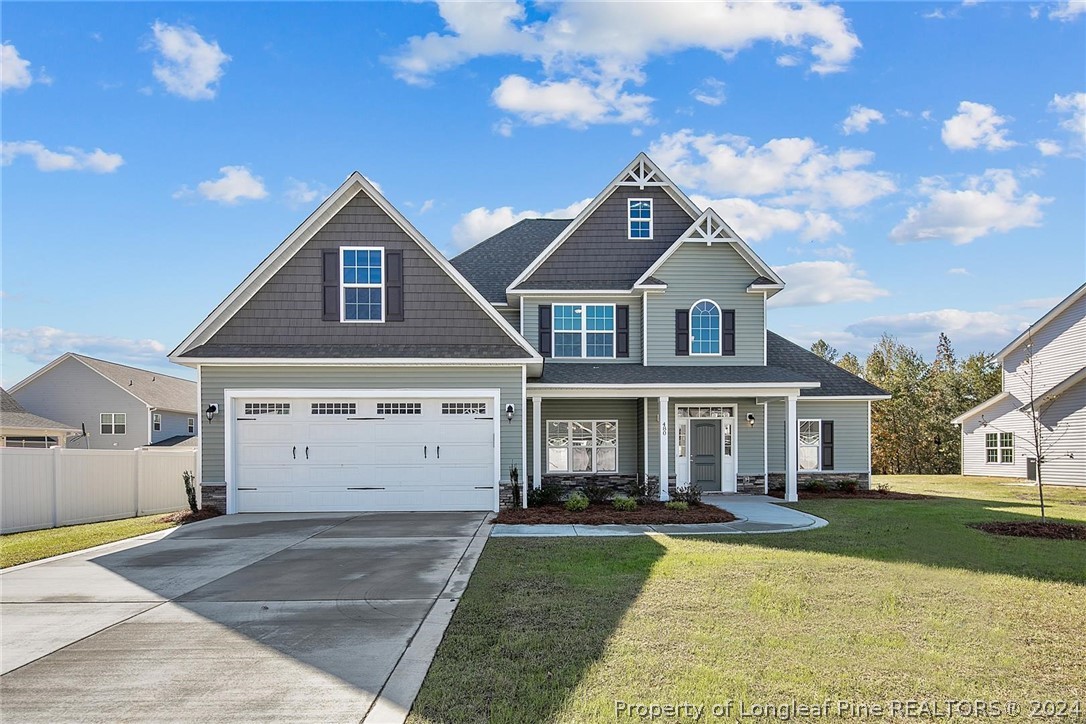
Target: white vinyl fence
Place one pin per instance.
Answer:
(49, 488)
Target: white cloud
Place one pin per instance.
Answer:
(574, 102)
(959, 271)
(14, 70)
(936, 14)
(504, 128)
(1068, 10)
(187, 66)
(1073, 105)
(67, 159)
(988, 203)
(593, 50)
(837, 251)
(788, 61)
(237, 183)
(926, 326)
(482, 223)
(860, 119)
(300, 193)
(809, 283)
(427, 205)
(44, 344)
(710, 92)
(976, 125)
(1048, 147)
(756, 222)
(792, 170)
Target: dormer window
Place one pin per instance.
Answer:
(640, 218)
(362, 281)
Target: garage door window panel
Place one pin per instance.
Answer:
(334, 408)
(267, 408)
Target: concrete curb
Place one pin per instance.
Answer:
(394, 700)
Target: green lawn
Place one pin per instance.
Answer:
(16, 548)
(893, 600)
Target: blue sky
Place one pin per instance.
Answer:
(907, 167)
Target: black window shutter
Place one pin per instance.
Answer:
(682, 332)
(545, 330)
(622, 330)
(827, 444)
(330, 277)
(393, 286)
(727, 332)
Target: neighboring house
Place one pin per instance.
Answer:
(358, 369)
(19, 428)
(997, 435)
(121, 407)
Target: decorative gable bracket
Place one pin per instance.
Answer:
(642, 173)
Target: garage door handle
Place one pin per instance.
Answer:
(306, 452)
(424, 451)
(438, 452)
(294, 452)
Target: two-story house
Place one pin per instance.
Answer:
(358, 369)
(1044, 368)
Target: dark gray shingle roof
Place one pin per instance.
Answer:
(14, 415)
(835, 381)
(329, 351)
(492, 264)
(177, 441)
(154, 388)
(573, 373)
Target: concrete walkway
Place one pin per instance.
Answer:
(756, 514)
(276, 617)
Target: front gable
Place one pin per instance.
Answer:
(281, 310)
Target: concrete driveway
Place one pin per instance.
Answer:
(247, 617)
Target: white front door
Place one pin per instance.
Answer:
(314, 454)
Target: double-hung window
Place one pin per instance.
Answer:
(584, 330)
(810, 444)
(156, 422)
(639, 218)
(192, 425)
(999, 447)
(362, 279)
(582, 446)
(113, 423)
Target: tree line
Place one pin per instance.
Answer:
(911, 433)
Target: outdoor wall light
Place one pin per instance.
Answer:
(750, 419)
(509, 410)
(211, 411)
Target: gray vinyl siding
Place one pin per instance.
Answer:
(74, 394)
(531, 323)
(1067, 415)
(746, 439)
(717, 272)
(623, 411)
(850, 447)
(287, 309)
(215, 379)
(173, 423)
(599, 256)
(1002, 417)
(1060, 351)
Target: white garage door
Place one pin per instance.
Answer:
(323, 454)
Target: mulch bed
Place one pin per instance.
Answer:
(187, 516)
(859, 494)
(1034, 529)
(604, 514)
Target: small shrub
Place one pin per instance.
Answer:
(883, 488)
(597, 493)
(815, 486)
(690, 495)
(643, 490)
(190, 490)
(677, 505)
(548, 494)
(848, 486)
(577, 502)
(624, 503)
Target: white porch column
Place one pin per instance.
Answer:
(663, 449)
(537, 442)
(791, 431)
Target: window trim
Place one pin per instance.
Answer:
(817, 446)
(569, 447)
(630, 220)
(344, 286)
(191, 425)
(156, 421)
(584, 332)
(112, 423)
(1001, 451)
(719, 331)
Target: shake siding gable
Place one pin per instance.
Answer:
(599, 256)
(698, 271)
(287, 309)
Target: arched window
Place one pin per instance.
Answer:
(704, 328)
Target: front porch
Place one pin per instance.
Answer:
(724, 440)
